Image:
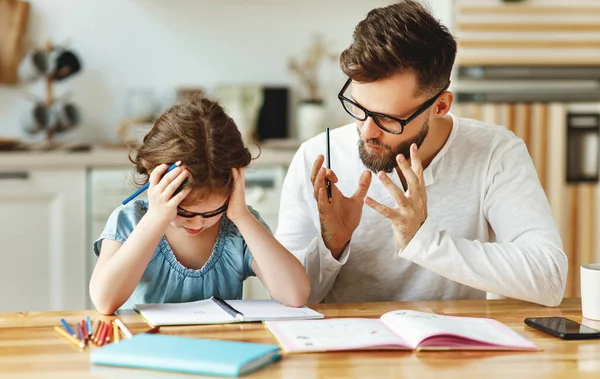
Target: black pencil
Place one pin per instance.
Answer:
(328, 164)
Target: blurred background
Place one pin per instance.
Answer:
(80, 80)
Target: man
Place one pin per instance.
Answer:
(456, 209)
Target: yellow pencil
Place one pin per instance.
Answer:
(116, 336)
(69, 338)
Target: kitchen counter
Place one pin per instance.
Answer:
(99, 156)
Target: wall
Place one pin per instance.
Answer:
(160, 44)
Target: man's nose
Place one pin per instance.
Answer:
(370, 130)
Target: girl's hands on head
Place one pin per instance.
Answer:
(162, 203)
(237, 207)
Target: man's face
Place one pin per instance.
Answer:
(394, 96)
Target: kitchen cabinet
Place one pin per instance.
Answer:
(42, 229)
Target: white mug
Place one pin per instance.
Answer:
(590, 291)
(38, 117)
(35, 64)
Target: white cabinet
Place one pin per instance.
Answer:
(42, 229)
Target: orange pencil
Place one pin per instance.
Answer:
(69, 338)
(98, 332)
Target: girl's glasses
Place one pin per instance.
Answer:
(187, 214)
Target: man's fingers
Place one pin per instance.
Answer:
(316, 167)
(392, 188)
(331, 176)
(416, 164)
(363, 186)
(379, 208)
(322, 200)
(411, 179)
(319, 182)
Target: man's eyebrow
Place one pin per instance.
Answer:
(389, 114)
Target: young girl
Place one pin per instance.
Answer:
(194, 237)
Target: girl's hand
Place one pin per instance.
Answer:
(162, 203)
(237, 207)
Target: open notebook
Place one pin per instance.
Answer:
(218, 311)
(402, 329)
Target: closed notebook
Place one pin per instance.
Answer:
(402, 329)
(217, 311)
(187, 355)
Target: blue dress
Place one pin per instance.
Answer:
(166, 280)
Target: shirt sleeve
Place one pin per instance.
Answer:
(526, 261)
(120, 224)
(299, 231)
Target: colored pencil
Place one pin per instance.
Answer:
(124, 329)
(116, 336)
(67, 327)
(68, 337)
(98, 331)
(102, 336)
(145, 186)
(88, 324)
(79, 332)
(85, 330)
(109, 331)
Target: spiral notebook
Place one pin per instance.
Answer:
(218, 311)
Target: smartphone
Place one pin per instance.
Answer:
(562, 328)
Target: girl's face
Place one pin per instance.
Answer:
(195, 217)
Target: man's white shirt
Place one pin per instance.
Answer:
(489, 226)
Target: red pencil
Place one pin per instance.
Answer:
(102, 335)
(86, 335)
(109, 333)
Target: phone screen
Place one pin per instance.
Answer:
(563, 325)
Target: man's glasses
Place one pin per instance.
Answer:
(390, 124)
(187, 214)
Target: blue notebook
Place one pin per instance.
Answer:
(187, 355)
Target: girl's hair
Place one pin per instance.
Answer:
(197, 132)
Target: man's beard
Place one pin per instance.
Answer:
(386, 160)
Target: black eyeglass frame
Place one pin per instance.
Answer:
(216, 212)
(368, 113)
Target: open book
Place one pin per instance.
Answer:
(218, 311)
(402, 329)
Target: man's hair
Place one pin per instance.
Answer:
(399, 38)
(199, 133)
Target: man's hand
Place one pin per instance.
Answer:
(411, 210)
(340, 217)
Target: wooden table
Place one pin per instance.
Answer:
(29, 347)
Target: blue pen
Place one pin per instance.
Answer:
(66, 325)
(88, 324)
(145, 187)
